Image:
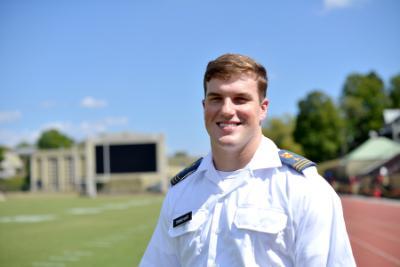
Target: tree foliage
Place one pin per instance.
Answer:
(54, 139)
(363, 100)
(23, 144)
(280, 130)
(2, 151)
(394, 91)
(319, 127)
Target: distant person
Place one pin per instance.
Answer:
(247, 203)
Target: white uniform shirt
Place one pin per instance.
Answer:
(268, 215)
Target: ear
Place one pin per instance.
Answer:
(264, 108)
(203, 103)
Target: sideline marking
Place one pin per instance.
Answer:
(70, 256)
(110, 206)
(84, 211)
(33, 218)
(37, 218)
(375, 250)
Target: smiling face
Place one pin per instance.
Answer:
(233, 112)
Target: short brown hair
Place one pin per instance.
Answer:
(227, 65)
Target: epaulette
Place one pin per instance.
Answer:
(297, 162)
(185, 172)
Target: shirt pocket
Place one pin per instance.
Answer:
(263, 220)
(189, 237)
(198, 219)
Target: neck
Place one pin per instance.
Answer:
(232, 159)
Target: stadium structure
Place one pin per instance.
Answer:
(112, 163)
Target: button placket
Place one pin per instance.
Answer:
(212, 253)
(218, 202)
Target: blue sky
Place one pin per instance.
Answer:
(87, 67)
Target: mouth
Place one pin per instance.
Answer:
(229, 124)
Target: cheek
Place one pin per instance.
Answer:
(211, 109)
(251, 114)
(246, 113)
(208, 114)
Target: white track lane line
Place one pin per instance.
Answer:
(384, 235)
(375, 250)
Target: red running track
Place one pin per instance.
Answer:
(374, 229)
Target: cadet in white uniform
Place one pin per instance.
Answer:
(247, 203)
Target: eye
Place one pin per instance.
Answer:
(214, 99)
(241, 100)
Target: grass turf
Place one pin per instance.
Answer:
(73, 231)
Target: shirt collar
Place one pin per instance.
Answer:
(207, 166)
(206, 163)
(266, 156)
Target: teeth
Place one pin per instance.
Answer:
(227, 124)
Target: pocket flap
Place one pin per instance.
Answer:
(261, 220)
(198, 219)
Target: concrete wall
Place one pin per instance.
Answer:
(73, 170)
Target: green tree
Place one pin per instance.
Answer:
(2, 151)
(280, 130)
(23, 144)
(54, 139)
(363, 100)
(319, 127)
(394, 91)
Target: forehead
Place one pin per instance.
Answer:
(237, 83)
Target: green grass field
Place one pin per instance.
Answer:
(72, 231)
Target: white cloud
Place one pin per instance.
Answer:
(12, 138)
(334, 4)
(77, 131)
(89, 128)
(91, 102)
(62, 126)
(342, 4)
(9, 116)
(82, 130)
(116, 121)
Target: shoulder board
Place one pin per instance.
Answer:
(185, 172)
(297, 162)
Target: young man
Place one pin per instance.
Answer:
(247, 203)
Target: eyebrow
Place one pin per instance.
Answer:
(212, 95)
(246, 95)
(236, 95)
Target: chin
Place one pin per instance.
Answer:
(227, 142)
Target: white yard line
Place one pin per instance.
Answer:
(69, 256)
(37, 218)
(27, 218)
(112, 206)
(63, 259)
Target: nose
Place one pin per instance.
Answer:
(227, 108)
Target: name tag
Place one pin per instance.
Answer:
(182, 219)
